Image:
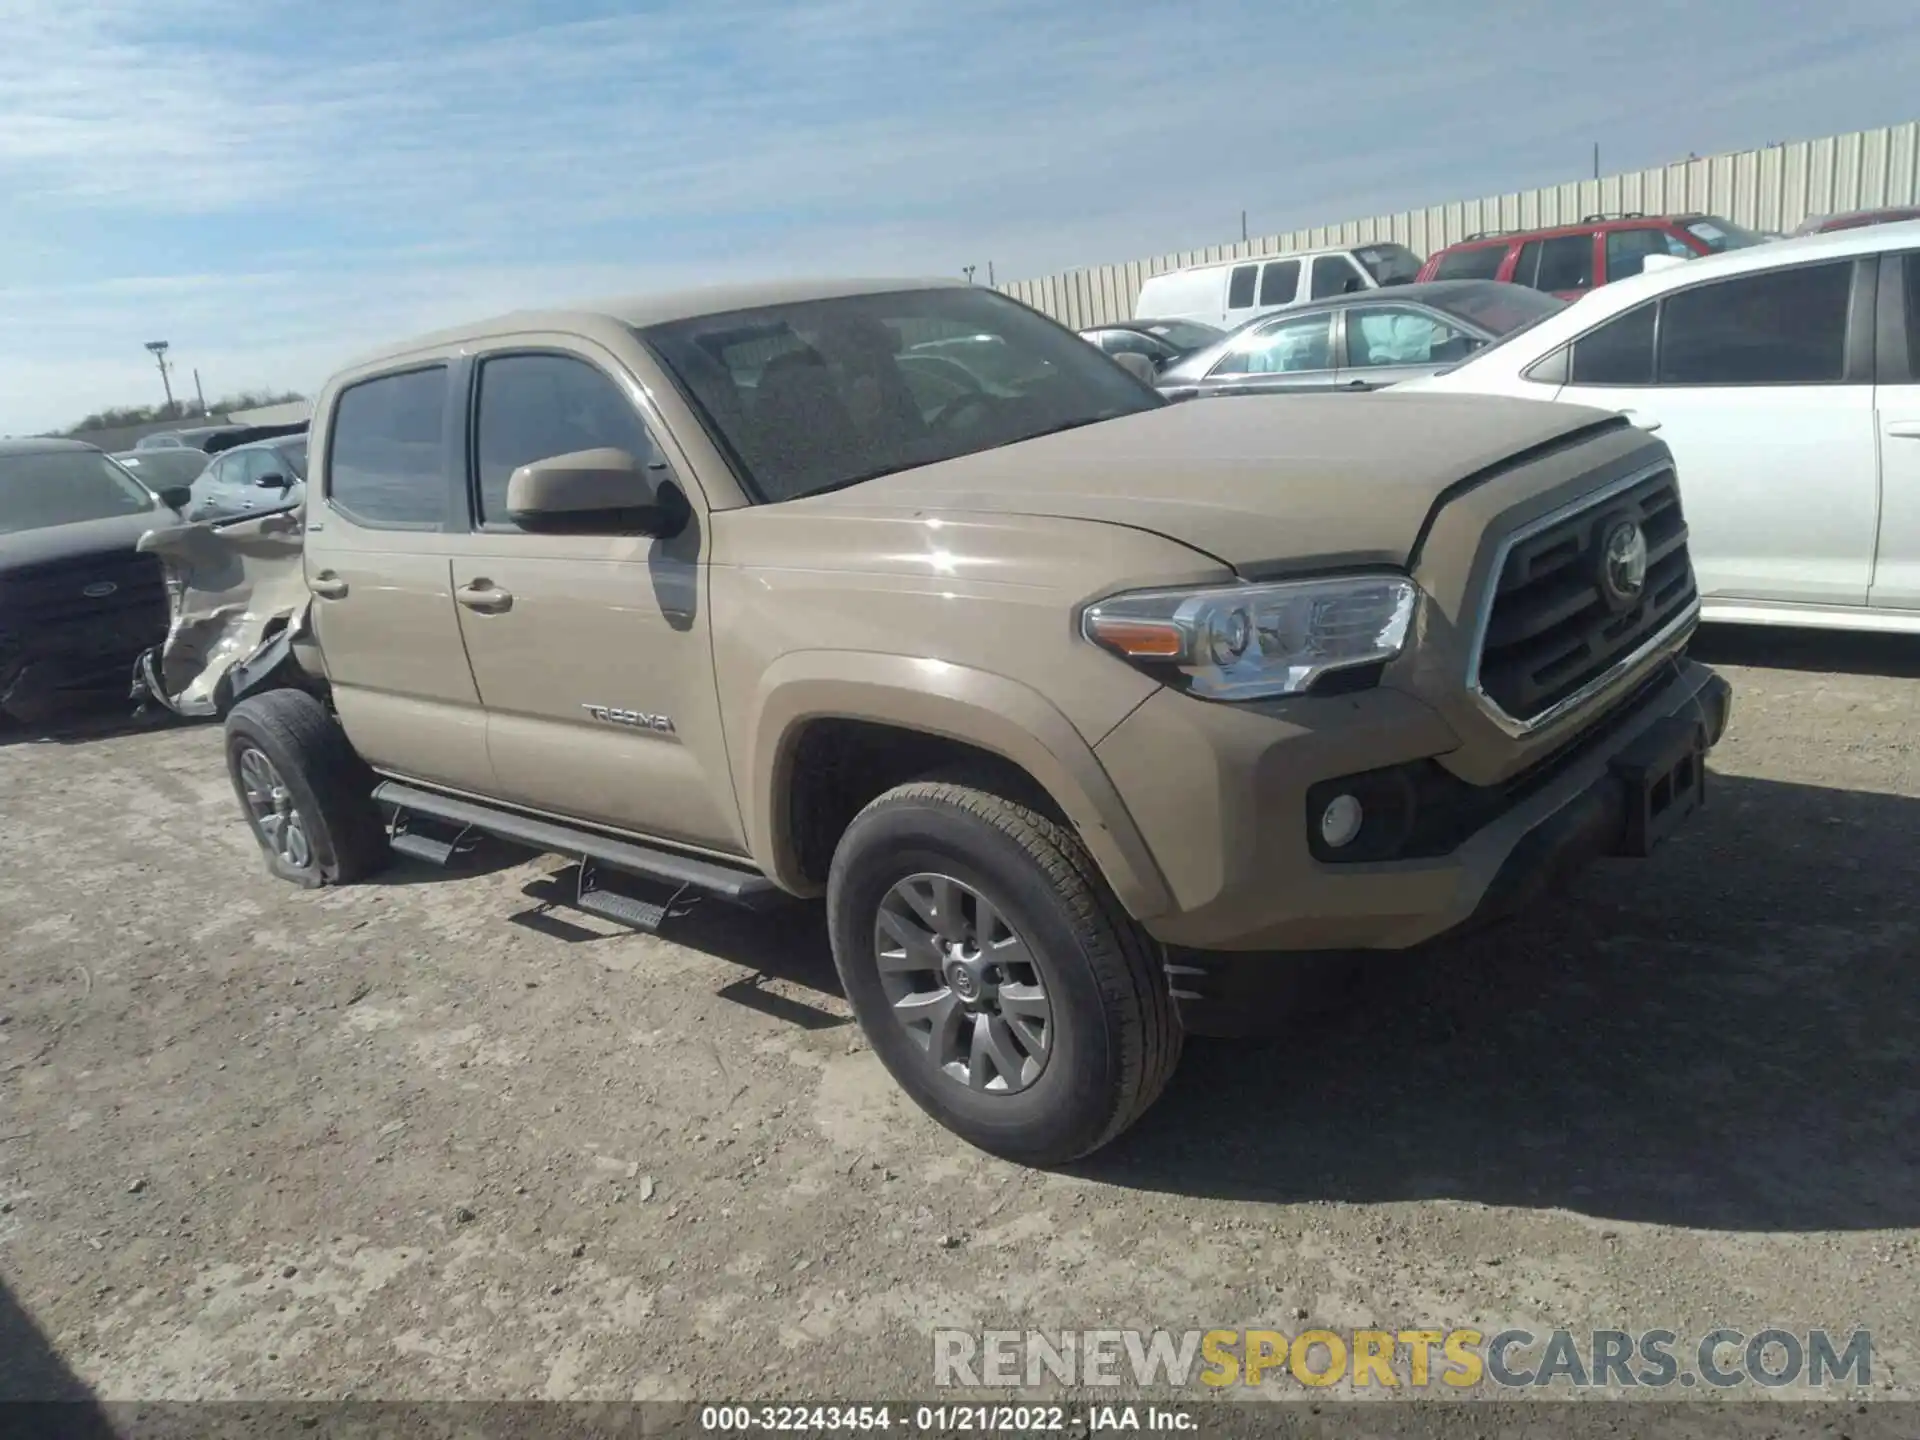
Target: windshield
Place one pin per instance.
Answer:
(826, 393)
(1500, 309)
(1719, 235)
(1184, 335)
(64, 487)
(157, 469)
(1389, 264)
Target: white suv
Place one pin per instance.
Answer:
(1786, 381)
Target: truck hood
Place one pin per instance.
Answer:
(1256, 482)
(87, 537)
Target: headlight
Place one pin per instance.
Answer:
(1242, 642)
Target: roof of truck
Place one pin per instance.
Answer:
(657, 308)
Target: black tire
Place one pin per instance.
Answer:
(328, 789)
(1114, 1035)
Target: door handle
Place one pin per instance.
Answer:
(1905, 429)
(328, 586)
(484, 596)
(1641, 420)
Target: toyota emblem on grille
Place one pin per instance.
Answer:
(99, 589)
(1623, 564)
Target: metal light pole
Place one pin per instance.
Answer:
(159, 351)
(967, 270)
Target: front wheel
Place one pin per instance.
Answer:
(995, 974)
(307, 797)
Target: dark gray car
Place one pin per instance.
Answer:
(1361, 341)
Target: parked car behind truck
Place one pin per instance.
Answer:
(78, 603)
(1230, 293)
(1075, 705)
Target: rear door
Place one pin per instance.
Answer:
(381, 531)
(1756, 387)
(1896, 403)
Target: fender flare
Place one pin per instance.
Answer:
(991, 712)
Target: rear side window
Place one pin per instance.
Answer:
(1279, 282)
(1336, 275)
(1480, 262)
(387, 458)
(534, 407)
(1562, 263)
(1240, 287)
(1620, 352)
(1787, 327)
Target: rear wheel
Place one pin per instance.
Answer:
(307, 797)
(994, 973)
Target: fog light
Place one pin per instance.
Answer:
(1341, 821)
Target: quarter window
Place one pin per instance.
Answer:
(1784, 327)
(1620, 352)
(387, 460)
(534, 407)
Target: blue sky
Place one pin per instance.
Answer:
(273, 186)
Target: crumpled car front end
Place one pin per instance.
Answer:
(239, 598)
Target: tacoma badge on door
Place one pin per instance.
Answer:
(637, 719)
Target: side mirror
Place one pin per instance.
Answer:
(1136, 365)
(594, 492)
(176, 497)
(273, 482)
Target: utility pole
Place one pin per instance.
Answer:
(989, 272)
(1596, 159)
(198, 391)
(1243, 227)
(158, 348)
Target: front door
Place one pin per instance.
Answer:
(1896, 404)
(1772, 433)
(1388, 343)
(591, 652)
(378, 566)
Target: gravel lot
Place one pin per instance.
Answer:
(422, 1139)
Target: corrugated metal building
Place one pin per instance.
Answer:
(1771, 189)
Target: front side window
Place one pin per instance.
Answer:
(536, 407)
(387, 458)
(1279, 282)
(1393, 335)
(43, 488)
(1389, 263)
(814, 396)
(1784, 327)
(1620, 352)
(1336, 275)
(1627, 250)
(1240, 286)
(1476, 262)
(1283, 349)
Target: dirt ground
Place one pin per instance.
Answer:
(421, 1138)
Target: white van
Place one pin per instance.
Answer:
(1235, 291)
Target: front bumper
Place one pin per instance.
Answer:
(1221, 796)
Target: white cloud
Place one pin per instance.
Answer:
(274, 185)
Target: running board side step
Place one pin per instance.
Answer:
(734, 883)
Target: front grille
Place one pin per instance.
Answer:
(45, 610)
(1553, 629)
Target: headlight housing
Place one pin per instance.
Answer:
(1247, 642)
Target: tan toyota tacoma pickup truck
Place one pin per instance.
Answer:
(1080, 708)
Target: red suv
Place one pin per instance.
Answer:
(1569, 260)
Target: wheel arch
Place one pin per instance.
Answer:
(952, 710)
